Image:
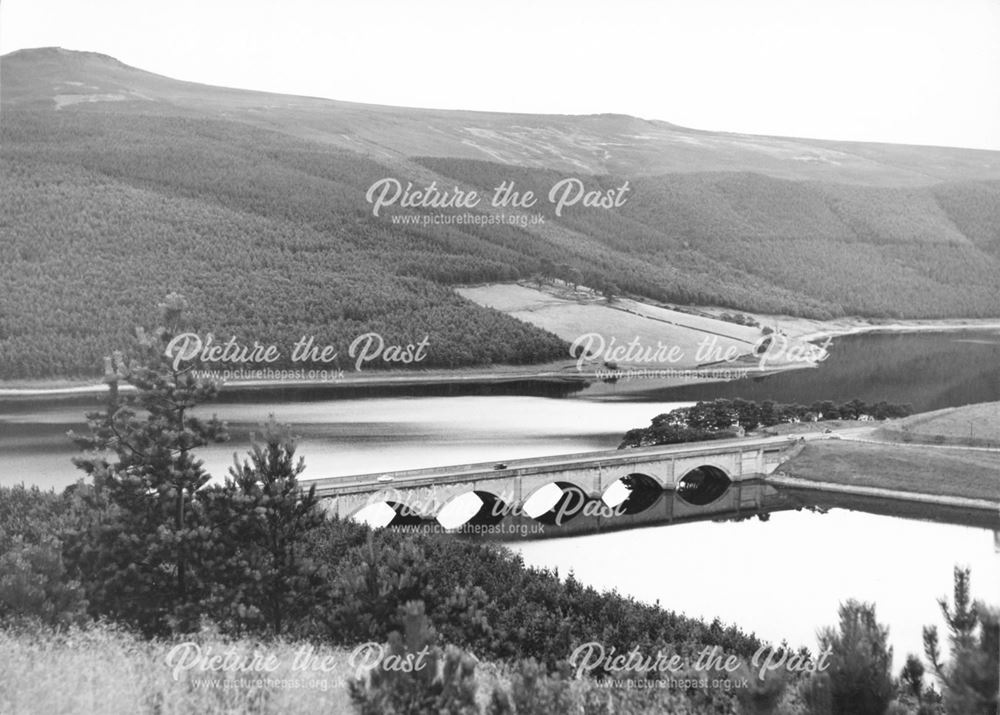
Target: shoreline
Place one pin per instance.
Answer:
(877, 492)
(900, 327)
(554, 373)
(818, 331)
(84, 388)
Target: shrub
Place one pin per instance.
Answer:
(533, 691)
(416, 676)
(972, 678)
(265, 579)
(859, 679)
(34, 584)
(32, 515)
(762, 695)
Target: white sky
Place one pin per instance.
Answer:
(910, 71)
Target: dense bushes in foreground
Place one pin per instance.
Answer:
(70, 670)
(353, 584)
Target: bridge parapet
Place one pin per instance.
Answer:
(427, 491)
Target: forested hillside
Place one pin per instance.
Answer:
(118, 186)
(254, 229)
(772, 245)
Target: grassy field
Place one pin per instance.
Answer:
(569, 314)
(924, 469)
(974, 425)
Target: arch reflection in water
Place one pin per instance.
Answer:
(557, 503)
(475, 507)
(385, 513)
(703, 485)
(633, 494)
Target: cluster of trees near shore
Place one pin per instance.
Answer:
(148, 543)
(722, 418)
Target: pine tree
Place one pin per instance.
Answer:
(139, 558)
(972, 679)
(859, 677)
(267, 579)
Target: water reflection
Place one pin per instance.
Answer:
(775, 560)
(778, 562)
(927, 370)
(655, 507)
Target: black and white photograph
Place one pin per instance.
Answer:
(478, 358)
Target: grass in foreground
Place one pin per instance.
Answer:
(101, 669)
(924, 469)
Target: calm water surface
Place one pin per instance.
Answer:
(785, 577)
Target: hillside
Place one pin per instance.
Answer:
(119, 186)
(46, 78)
